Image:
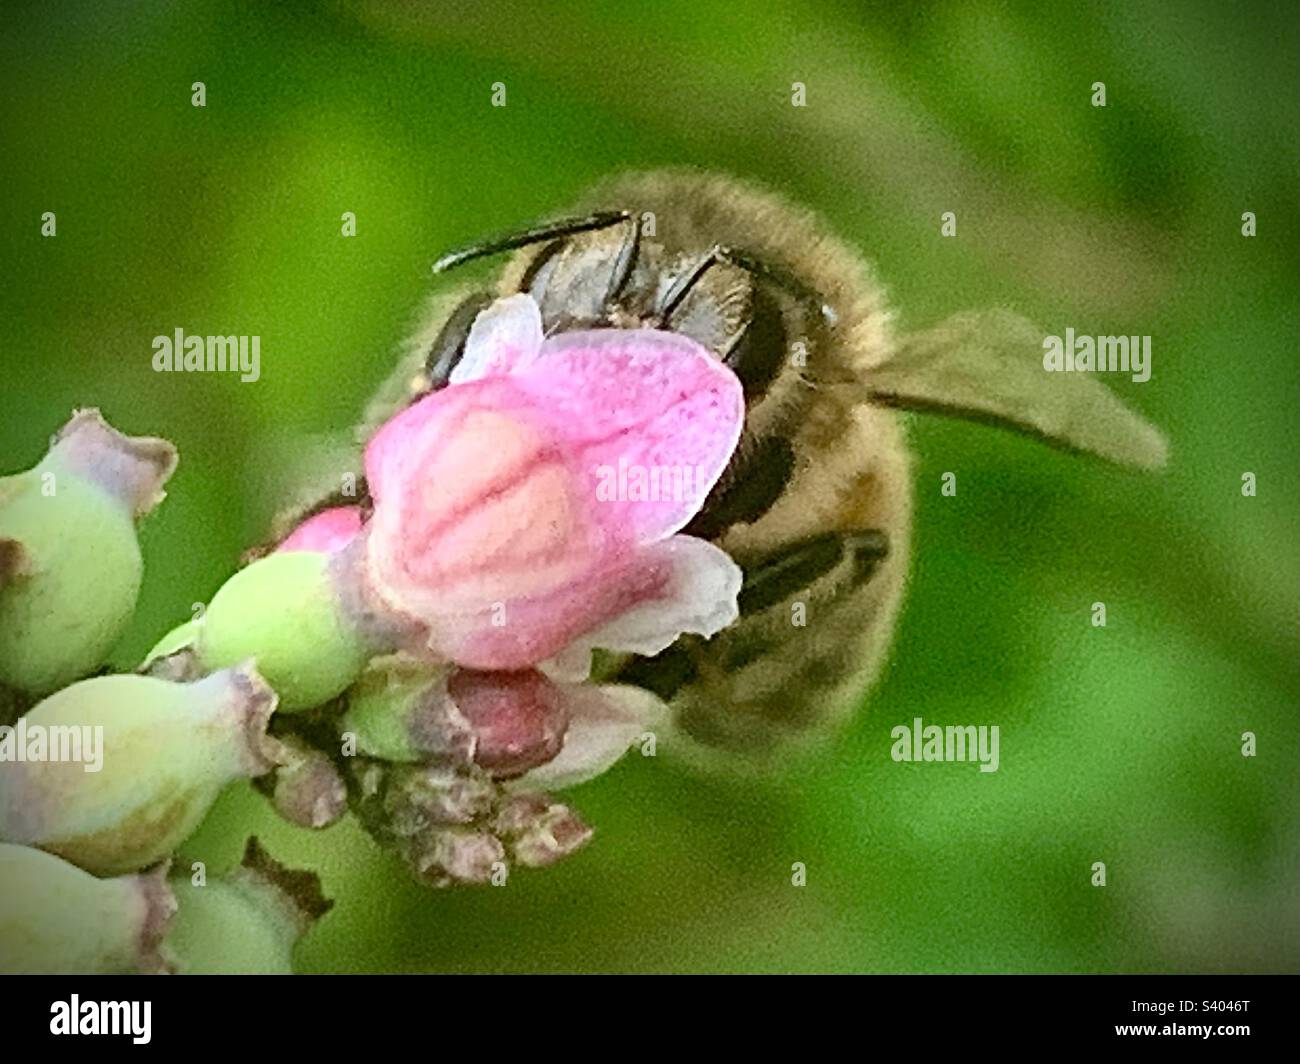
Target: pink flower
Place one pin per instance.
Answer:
(330, 530)
(530, 509)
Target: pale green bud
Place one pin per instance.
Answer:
(283, 612)
(139, 762)
(178, 639)
(247, 922)
(56, 919)
(173, 657)
(70, 564)
(399, 710)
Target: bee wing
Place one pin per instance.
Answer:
(988, 366)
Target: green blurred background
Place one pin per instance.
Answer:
(1119, 745)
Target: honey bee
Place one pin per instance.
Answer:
(816, 503)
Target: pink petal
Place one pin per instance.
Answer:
(638, 603)
(494, 511)
(652, 416)
(505, 336)
(604, 721)
(697, 587)
(328, 531)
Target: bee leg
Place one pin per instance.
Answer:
(768, 583)
(682, 285)
(779, 277)
(775, 578)
(774, 275)
(847, 559)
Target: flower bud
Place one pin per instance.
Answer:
(178, 639)
(538, 831)
(519, 718)
(282, 611)
(305, 788)
(173, 657)
(245, 923)
(455, 855)
(436, 818)
(56, 919)
(328, 531)
(504, 722)
(70, 564)
(140, 762)
(399, 710)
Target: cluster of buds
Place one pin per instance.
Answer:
(425, 663)
(452, 765)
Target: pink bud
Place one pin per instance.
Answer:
(328, 531)
(518, 718)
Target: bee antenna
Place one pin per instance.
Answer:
(547, 231)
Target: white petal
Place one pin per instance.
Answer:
(604, 721)
(505, 336)
(704, 583)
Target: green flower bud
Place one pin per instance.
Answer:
(283, 612)
(399, 710)
(56, 919)
(180, 637)
(245, 923)
(173, 657)
(70, 564)
(150, 758)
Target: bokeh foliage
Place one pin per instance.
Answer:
(1119, 745)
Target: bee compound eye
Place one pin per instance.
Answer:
(759, 352)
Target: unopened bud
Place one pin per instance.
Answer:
(173, 657)
(538, 831)
(56, 919)
(400, 711)
(403, 800)
(305, 788)
(456, 855)
(70, 564)
(245, 923)
(519, 718)
(139, 761)
(282, 611)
